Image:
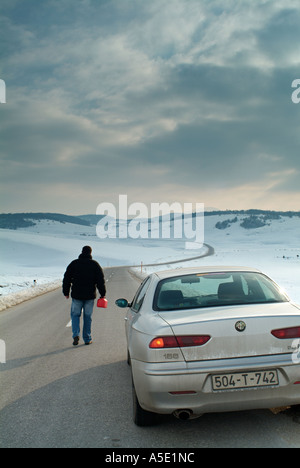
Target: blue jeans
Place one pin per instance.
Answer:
(76, 309)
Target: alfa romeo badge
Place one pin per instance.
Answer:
(240, 326)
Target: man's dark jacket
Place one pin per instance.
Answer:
(84, 275)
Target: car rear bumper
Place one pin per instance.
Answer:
(167, 387)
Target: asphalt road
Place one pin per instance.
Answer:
(55, 395)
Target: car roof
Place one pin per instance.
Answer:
(203, 269)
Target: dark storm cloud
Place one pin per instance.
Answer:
(149, 97)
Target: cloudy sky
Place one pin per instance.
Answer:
(162, 100)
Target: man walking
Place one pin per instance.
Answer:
(85, 276)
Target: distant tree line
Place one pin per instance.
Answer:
(257, 220)
(269, 213)
(24, 220)
(253, 219)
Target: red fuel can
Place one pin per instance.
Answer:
(102, 302)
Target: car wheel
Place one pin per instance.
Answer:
(296, 413)
(141, 417)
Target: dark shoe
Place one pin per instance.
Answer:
(76, 341)
(88, 343)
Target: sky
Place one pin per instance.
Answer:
(161, 100)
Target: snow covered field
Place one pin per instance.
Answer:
(33, 260)
(273, 249)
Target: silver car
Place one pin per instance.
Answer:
(211, 339)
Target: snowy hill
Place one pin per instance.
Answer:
(24, 220)
(41, 251)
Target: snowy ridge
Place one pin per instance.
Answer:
(42, 251)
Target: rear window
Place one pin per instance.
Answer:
(216, 289)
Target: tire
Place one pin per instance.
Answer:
(141, 417)
(296, 413)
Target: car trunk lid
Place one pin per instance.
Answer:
(238, 331)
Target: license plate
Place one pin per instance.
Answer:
(245, 380)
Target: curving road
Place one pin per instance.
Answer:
(210, 251)
(54, 395)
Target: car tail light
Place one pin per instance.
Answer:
(193, 340)
(164, 342)
(179, 341)
(286, 333)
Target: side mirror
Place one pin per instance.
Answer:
(123, 303)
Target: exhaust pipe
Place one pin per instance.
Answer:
(183, 414)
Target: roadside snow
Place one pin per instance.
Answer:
(16, 298)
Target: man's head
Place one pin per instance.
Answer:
(87, 250)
